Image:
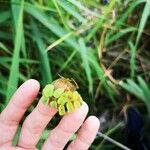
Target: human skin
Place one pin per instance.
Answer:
(37, 120)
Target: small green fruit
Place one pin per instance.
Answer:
(62, 95)
(58, 92)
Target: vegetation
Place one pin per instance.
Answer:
(103, 45)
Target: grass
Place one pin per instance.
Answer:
(14, 70)
(103, 47)
(140, 90)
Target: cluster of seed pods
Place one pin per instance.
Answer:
(62, 95)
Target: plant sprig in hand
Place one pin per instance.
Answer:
(62, 95)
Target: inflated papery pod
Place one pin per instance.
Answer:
(62, 95)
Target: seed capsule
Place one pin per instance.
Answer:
(57, 93)
(48, 91)
(62, 95)
(70, 107)
(61, 110)
(53, 104)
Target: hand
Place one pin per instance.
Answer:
(36, 122)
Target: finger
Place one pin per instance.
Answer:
(69, 124)
(13, 148)
(12, 114)
(34, 125)
(86, 134)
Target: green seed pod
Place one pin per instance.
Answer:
(48, 91)
(75, 96)
(70, 107)
(69, 95)
(58, 92)
(62, 99)
(61, 110)
(53, 104)
(62, 95)
(77, 104)
(44, 99)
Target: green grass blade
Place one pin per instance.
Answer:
(14, 71)
(84, 56)
(15, 10)
(16, 138)
(4, 16)
(131, 89)
(43, 57)
(146, 92)
(119, 35)
(79, 5)
(3, 47)
(100, 22)
(51, 24)
(101, 76)
(135, 86)
(5, 36)
(70, 9)
(59, 41)
(143, 21)
(68, 60)
(21, 60)
(132, 60)
(123, 17)
(60, 14)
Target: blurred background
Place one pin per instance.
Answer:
(104, 45)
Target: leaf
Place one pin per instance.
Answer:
(132, 60)
(70, 9)
(84, 8)
(59, 41)
(51, 24)
(131, 89)
(146, 92)
(63, 20)
(16, 138)
(120, 21)
(2, 46)
(145, 88)
(45, 134)
(84, 56)
(4, 16)
(119, 35)
(101, 76)
(100, 22)
(134, 86)
(14, 71)
(15, 15)
(70, 58)
(43, 56)
(143, 20)
(140, 90)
